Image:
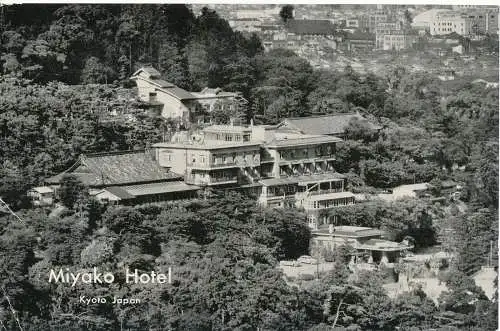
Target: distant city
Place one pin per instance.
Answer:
(330, 35)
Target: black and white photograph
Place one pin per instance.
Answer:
(249, 166)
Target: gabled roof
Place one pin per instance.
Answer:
(317, 27)
(334, 124)
(116, 168)
(153, 76)
(149, 72)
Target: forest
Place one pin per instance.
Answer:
(65, 71)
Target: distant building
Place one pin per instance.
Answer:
(299, 33)
(370, 21)
(245, 24)
(385, 28)
(360, 41)
(366, 241)
(41, 196)
(177, 103)
(463, 22)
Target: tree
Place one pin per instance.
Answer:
(286, 13)
(71, 191)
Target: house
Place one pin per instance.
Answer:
(41, 196)
(126, 177)
(366, 241)
(331, 125)
(177, 103)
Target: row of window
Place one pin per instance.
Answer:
(332, 203)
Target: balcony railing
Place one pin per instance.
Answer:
(222, 164)
(315, 192)
(307, 158)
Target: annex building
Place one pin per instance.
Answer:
(177, 103)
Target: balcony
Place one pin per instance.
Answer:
(307, 159)
(336, 190)
(221, 164)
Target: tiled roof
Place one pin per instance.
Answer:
(117, 168)
(120, 192)
(149, 71)
(178, 93)
(325, 124)
(318, 27)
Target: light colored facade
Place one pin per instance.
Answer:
(42, 196)
(298, 171)
(397, 40)
(383, 29)
(291, 169)
(222, 155)
(177, 103)
(463, 22)
(366, 241)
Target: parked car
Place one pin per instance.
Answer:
(306, 259)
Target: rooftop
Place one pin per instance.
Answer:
(294, 139)
(383, 245)
(349, 231)
(318, 27)
(116, 168)
(326, 124)
(43, 189)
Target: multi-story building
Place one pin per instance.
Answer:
(178, 103)
(399, 39)
(281, 165)
(383, 29)
(370, 21)
(360, 41)
(221, 155)
(465, 23)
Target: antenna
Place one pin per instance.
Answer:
(4, 207)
